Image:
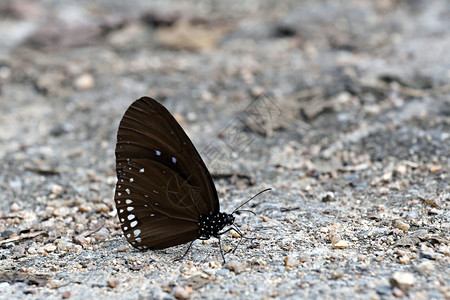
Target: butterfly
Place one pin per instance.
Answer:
(165, 195)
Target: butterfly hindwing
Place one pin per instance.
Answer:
(163, 184)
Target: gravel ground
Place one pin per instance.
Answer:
(341, 107)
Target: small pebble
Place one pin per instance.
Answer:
(290, 261)
(48, 224)
(182, 292)
(303, 257)
(341, 244)
(235, 266)
(404, 260)
(425, 268)
(103, 233)
(113, 282)
(65, 245)
(398, 293)
(65, 295)
(32, 250)
(435, 168)
(84, 82)
(436, 202)
(328, 197)
(264, 218)
(334, 238)
(402, 280)
(402, 225)
(101, 207)
(235, 234)
(123, 248)
(61, 211)
(15, 207)
(49, 248)
(56, 190)
(10, 232)
(336, 274)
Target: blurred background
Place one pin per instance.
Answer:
(358, 95)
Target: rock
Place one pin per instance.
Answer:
(15, 207)
(290, 261)
(402, 280)
(235, 266)
(334, 238)
(328, 197)
(48, 224)
(65, 245)
(402, 225)
(10, 232)
(398, 292)
(425, 268)
(61, 211)
(56, 190)
(341, 244)
(182, 292)
(32, 250)
(123, 248)
(336, 274)
(49, 248)
(101, 207)
(113, 282)
(84, 82)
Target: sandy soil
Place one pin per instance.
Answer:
(341, 107)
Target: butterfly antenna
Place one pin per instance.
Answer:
(250, 199)
(246, 210)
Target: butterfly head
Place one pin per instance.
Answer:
(228, 218)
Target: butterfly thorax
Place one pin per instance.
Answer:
(211, 224)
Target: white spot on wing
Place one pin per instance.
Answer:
(121, 211)
(131, 179)
(131, 217)
(137, 232)
(138, 240)
(119, 194)
(128, 191)
(174, 160)
(141, 170)
(130, 208)
(133, 224)
(158, 152)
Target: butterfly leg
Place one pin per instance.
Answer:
(242, 236)
(221, 251)
(185, 253)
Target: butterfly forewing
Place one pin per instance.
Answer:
(163, 185)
